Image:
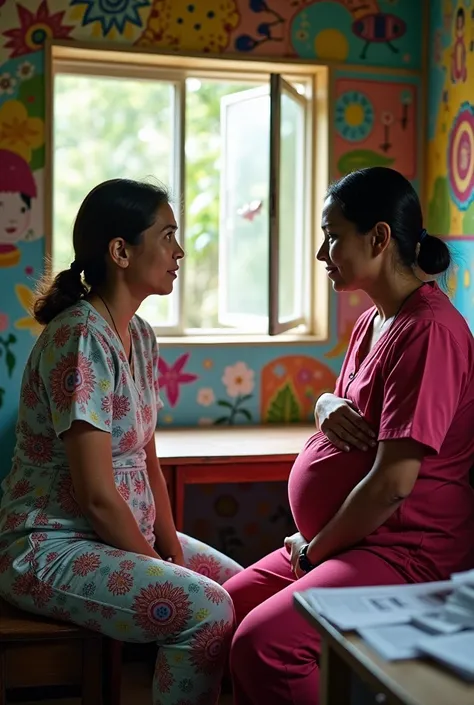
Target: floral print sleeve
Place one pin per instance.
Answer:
(78, 373)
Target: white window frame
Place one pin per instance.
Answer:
(276, 326)
(127, 62)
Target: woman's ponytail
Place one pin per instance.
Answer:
(53, 297)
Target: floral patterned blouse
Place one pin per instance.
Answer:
(78, 371)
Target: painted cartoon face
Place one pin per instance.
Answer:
(15, 217)
(460, 21)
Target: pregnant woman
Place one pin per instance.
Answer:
(380, 494)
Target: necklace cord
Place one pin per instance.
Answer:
(116, 329)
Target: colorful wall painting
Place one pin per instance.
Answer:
(450, 163)
(376, 124)
(450, 176)
(212, 384)
(376, 33)
(245, 521)
(461, 282)
(290, 386)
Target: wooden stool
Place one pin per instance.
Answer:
(36, 651)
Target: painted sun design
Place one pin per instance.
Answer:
(112, 13)
(354, 116)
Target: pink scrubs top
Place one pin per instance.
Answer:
(417, 382)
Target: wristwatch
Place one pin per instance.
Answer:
(303, 560)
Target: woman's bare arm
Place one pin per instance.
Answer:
(89, 452)
(165, 532)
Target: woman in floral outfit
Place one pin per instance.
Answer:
(86, 530)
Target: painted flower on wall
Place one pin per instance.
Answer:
(238, 379)
(110, 15)
(19, 133)
(354, 116)
(7, 84)
(205, 396)
(34, 29)
(239, 382)
(25, 71)
(172, 377)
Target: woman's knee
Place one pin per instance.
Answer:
(212, 603)
(270, 635)
(248, 590)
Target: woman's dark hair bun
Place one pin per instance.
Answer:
(434, 256)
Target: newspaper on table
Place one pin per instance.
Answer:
(407, 621)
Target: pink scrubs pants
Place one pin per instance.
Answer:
(275, 652)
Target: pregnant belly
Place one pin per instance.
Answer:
(321, 478)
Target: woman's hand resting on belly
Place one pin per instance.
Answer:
(293, 545)
(342, 424)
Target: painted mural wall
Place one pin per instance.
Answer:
(450, 174)
(375, 49)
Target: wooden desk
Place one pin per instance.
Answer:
(232, 454)
(411, 682)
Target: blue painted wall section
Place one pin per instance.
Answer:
(450, 173)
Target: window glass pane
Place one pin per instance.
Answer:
(106, 128)
(292, 204)
(207, 178)
(243, 264)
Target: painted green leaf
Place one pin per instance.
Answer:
(284, 407)
(245, 412)
(227, 404)
(439, 209)
(361, 158)
(246, 397)
(10, 359)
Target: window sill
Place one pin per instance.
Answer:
(232, 340)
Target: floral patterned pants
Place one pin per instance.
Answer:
(131, 597)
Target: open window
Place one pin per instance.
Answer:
(244, 212)
(263, 228)
(236, 146)
(288, 194)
